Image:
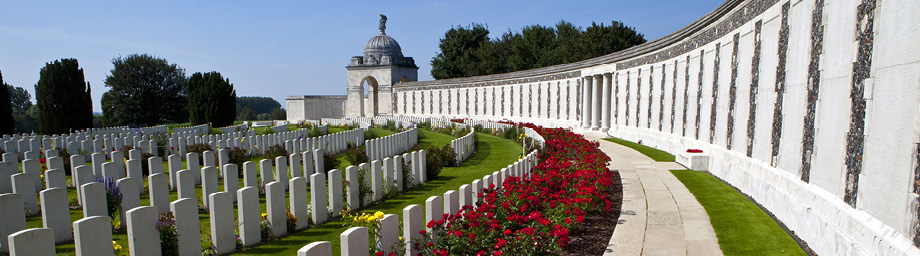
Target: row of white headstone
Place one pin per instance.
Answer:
(139, 218)
(392, 144)
(463, 146)
(355, 241)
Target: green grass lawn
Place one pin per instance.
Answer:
(741, 226)
(487, 161)
(656, 154)
(494, 153)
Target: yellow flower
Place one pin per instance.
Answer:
(371, 218)
(379, 215)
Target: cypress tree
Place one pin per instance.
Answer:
(211, 99)
(7, 125)
(63, 98)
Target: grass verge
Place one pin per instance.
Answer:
(741, 226)
(654, 153)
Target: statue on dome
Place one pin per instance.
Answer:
(383, 24)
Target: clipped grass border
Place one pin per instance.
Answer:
(654, 153)
(743, 228)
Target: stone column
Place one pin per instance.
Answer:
(596, 102)
(605, 107)
(586, 102)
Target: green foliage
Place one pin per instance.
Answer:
(246, 114)
(63, 98)
(259, 105)
(291, 222)
(275, 151)
(355, 155)
(278, 114)
(144, 91)
(330, 162)
(468, 51)
(237, 156)
(7, 125)
(20, 99)
(438, 158)
(169, 235)
(199, 148)
(211, 99)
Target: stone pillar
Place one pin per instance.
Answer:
(586, 102)
(596, 102)
(605, 104)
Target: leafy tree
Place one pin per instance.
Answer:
(246, 114)
(63, 98)
(145, 90)
(211, 99)
(264, 116)
(279, 114)
(7, 123)
(468, 51)
(458, 56)
(20, 99)
(258, 105)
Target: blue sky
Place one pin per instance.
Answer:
(281, 48)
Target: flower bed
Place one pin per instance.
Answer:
(533, 215)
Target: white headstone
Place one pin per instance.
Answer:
(22, 184)
(433, 211)
(158, 186)
(308, 168)
(321, 248)
(208, 158)
(281, 170)
(209, 183)
(93, 236)
(222, 232)
(275, 208)
(7, 170)
(185, 185)
(298, 198)
(231, 174)
(398, 174)
(354, 242)
(112, 170)
(389, 233)
(250, 174)
(294, 160)
(55, 178)
(56, 213)
(466, 195)
(377, 180)
(413, 222)
(142, 225)
(185, 211)
(32, 242)
(129, 196)
(175, 165)
(353, 197)
(98, 160)
(335, 192)
(191, 163)
(249, 219)
(318, 161)
(318, 197)
(34, 168)
(265, 171)
(13, 220)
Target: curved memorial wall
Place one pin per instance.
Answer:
(810, 107)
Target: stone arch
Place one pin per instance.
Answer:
(371, 101)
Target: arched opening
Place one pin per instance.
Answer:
(369, 95)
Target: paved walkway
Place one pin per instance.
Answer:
(659, 216)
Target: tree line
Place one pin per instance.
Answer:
(144, 90)
(469, 51)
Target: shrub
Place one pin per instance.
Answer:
(145, 166)
(369, 135)
(330, 162)
(275, 151)
(437, 158)
(291, 222)
(199, 148)
(169, 237)
(356, 155)
(65, 155)
(237, 156)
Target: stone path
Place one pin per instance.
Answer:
(659, 216)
